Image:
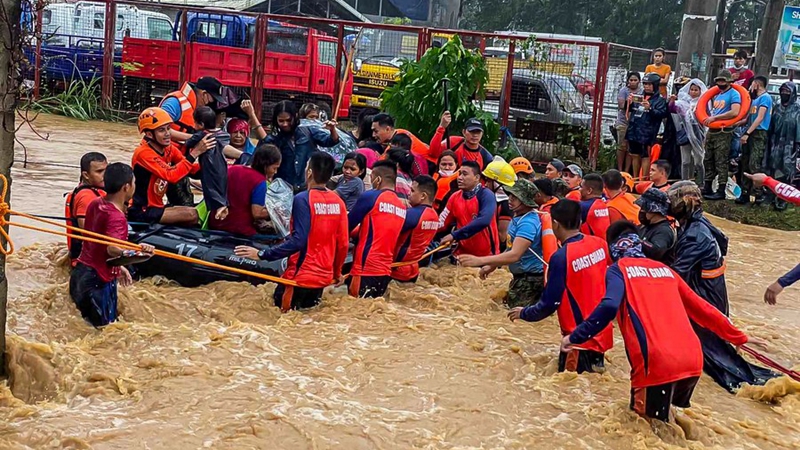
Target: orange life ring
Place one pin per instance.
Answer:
(701, 112)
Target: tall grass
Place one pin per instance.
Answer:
(81, 100)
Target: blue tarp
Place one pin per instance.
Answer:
(413, 9)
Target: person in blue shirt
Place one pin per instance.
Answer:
(754, 140)
(724, 106)
(524, 258)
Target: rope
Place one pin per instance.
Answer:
(793, 374)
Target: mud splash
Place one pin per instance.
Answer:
(432, 365)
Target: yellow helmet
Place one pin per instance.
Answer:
(501, 171)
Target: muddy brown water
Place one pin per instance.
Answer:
(434, 365)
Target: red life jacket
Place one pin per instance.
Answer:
(413, 243)
(483, 243)
(241, 182)
(661, 345)
(75, 245)
(587, 261)
(598, 220)
(377, 236)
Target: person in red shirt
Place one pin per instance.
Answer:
(573, 175)
(574, 288)
(157, 162)
(93, 166)
(742, 75)
(594, 211)
(247, 189)
(93, 282)
(473, 211)
(467, 147)
(418, 231)
(317, 245)
(379, 215)
(784, 191)
(653, 306)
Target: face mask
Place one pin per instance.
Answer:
(737, 66)
(753, 94)
(447, 173)
(643, 218)
(723, 87)
(785, 98)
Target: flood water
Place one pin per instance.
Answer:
(434, 365)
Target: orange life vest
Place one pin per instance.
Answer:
(75, 245)
(443, 188)
(188, 101)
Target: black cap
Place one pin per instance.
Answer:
(558, 164)
(473, 125)
(212, 86)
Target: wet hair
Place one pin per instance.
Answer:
(567, 213)
(402, 157)
(361, 162)
(265, 155)
(619, 228)
(664, 165)
(364, 121)
(116, 177)
(401, 140)
(427, 184)
(659, 50)
(288, 107)
(307, 109)
(476, 168)
(633, 74)
(88, 158)
(449, 153)
(594, 181)
(383, 120)
(206, 117)
(613, 179)
(545, 186)
(762, 80)
(740, 54)
(386, 170)
(321, 165)
(377, 147)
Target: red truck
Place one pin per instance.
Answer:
(300, 62)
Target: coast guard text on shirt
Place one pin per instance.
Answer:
(584, 262)
(327, 208)
(391, 209)
(657, 272)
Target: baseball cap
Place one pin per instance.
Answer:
(473, 124)
(212, 86)
(654, 201)
(574, 169)
(558, 164)
(724, 75)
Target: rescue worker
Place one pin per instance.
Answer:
(594, 211)
(157, 163)
(723, 106)
(419, 229)
(655, 309)
(383, 131)
(93, 167)
(467, 147)
(657, 232)
(555, 169)
(545, 195)
(700, 260)
(499, 175)
(659, 177)
(180, 104)
(473, 211)
(380, 214)
(575, 286)
(525, 258)
(522, 167)
(620, 203)
(573, 175)
(317, 245)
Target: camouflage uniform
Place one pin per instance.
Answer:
(525, 288)
(753, 159)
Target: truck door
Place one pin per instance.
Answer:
(323, 61)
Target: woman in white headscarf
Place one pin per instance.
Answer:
(691, 133)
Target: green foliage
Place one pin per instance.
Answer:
(80, 101)
(762, 216)
(397, 20)
(416, 101)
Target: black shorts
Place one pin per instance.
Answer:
(145, 215)
(635, 148)
(654, 401)
(368, 287)
(581, 361)
(95, 298)
(290, 297)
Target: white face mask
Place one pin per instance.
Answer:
(446, 173)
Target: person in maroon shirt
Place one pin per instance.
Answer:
(93, 282)
(742, 75)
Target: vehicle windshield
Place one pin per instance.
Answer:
(386, 46)
(568, 97)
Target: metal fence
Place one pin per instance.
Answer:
(548, 94)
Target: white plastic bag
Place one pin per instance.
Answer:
(278, 202)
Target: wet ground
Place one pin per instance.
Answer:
(433, 365)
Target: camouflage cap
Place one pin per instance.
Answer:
(654, 201)
(524, 190)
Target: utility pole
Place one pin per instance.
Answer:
(10, 52)
(697, 36)
(769, 37)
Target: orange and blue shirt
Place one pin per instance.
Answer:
(381, 215)
(575, 286)
(474, 215)
(418, 231)
(317, 245)
(595, 218)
